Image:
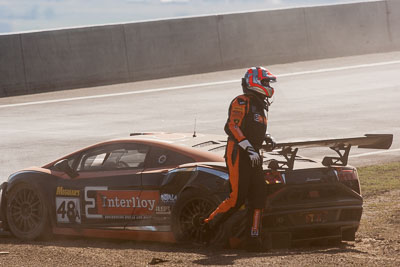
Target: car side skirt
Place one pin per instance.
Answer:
(165, 237)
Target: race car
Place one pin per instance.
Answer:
(161, 186)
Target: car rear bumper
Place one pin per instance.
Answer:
(309, 224)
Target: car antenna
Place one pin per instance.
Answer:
(194, 131)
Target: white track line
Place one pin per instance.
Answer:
(342, 68)
(374, 153)
(194, 85)
(117, 94)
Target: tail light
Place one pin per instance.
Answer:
(274, 177)
(349, 177)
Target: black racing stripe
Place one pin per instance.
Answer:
(234, 154)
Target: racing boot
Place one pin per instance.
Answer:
(207, 234)
(210, 228)
(254, 242)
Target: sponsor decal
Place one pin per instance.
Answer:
(90, 198)
(241, 101)
(118, 202)
(68, 210)
(237, 109)
(61, 191)
(237, 113)
(162, 159)
(168, 198)
(163, 210)
(101, 203)
(260, 119)
(126, 217)
(254, 232)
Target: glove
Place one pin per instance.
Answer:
(253, 155)
(270, 142)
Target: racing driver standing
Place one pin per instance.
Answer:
(247, 130)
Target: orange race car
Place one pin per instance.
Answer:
(160, 187)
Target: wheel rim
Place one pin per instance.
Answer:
(26, 210)
(192, 218)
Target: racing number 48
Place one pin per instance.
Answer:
(68, 210)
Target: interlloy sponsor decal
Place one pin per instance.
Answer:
(118, 202)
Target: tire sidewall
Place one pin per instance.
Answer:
(183, 199)
(42, 227)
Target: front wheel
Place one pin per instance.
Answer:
(188, 214)
(27, 212)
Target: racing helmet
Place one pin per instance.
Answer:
(257, 80)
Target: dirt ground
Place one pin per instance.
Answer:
(377, 243)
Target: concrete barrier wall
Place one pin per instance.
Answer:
(74, 58)
(347, 29)
(71, 58)
(12, 77)
(393, 9)
(265, 37)
(172, 47)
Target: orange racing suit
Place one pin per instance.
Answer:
(246, 120)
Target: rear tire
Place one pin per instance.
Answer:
(27, 212)
(188, 214)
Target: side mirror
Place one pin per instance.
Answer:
(63, 166)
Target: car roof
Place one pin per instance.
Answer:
(202, 147)
(216, 144)
(196, 147)
(205, 142)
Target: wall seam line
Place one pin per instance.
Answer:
(126, 57)
(388, 22)
(219, 43)
(23, 62)
(307, 34)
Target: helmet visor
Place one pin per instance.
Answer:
(268, 80)
(265, 82)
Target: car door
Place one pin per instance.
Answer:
(159, 162)
(107, 190)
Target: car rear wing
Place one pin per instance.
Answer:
(340, 146)
(374, 141)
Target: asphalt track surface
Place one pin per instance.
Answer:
(331, 98)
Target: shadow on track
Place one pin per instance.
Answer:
(206, 255)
